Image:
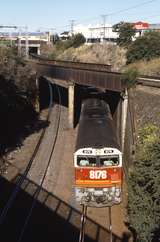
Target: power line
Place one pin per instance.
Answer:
(104, 25)
(109, 14)
(130, 8)
(121, 11)
(144, 17)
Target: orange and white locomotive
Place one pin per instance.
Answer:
(97, 158)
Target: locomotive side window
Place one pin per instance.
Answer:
(86, 161)
(109, 161)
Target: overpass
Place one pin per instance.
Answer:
(72, 75)
(96, 75)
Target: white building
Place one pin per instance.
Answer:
(96, 33)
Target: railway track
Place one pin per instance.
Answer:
(22, 178)
(42, 175)
(149, 81)
(34, 163)
(83, 223)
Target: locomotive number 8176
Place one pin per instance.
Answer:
(97, 158)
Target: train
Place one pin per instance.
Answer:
(97, 157)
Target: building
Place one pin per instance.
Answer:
(143, 27)
(93, 33)
(100, 33)
(97, 33)
(30, 40)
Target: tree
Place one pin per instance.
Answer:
(144, 47)
(78, 40)
(74, 41)
(144, 190)
(126, 33)
(17, 93)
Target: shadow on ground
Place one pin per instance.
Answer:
(12, 137)
(52, 219)
(18, 120)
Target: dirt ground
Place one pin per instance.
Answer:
(147, 102)
(18, 159)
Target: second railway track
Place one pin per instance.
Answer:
(21, 178)
(46, 154)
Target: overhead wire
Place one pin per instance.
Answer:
(119, 11)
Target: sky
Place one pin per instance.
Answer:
(56, 15)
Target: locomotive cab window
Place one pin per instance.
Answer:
(86, 161)
(109, 161)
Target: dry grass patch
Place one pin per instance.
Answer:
(150, 68)
(97, 53)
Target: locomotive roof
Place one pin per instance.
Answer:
(96, 128)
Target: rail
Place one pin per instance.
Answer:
(42, 178)
(24, 175)
(83, 223)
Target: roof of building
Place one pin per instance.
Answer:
(154, 26)
(16, 34)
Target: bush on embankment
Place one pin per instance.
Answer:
(145, 47)
(144, 189)
(149, 68)
(95, 53)
(17, 94)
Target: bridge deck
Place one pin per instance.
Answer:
(100, 79)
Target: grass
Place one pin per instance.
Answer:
(96, 53)
(149, 68)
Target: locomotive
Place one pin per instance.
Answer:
(97, 157)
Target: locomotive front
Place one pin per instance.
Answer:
(98, 176)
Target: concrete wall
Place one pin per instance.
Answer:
(129, 144)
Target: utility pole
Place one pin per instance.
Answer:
(19, 42)
(72, 26)
(26, 42)
(104, 25)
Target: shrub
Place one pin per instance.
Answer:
(126, 33)
(144, 47)
(130, 76)
(74, 41)
(144, 191)
(78, 40)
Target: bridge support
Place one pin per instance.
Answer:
(37, 106)
(71, 105)
(38, 51)
(124, 117)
